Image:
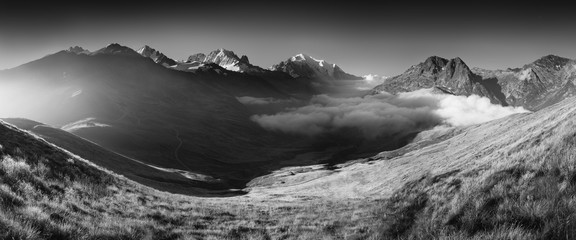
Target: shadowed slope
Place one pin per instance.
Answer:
(165, 179)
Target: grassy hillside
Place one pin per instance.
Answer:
(508, 179)
(170, 181)
(522, 189)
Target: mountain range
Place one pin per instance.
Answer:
(125, 144)
(534, 86)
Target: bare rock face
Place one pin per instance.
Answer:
(536, 85)
(198, 57)
(244, 58)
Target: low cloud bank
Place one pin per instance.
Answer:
(464, 111)
(247, 100)
(384, 114)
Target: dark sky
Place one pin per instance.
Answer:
(382, 39)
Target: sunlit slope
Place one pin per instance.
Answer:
(133, 106)
(463, 153)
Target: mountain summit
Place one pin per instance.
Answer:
(552, 61)
(305, 66)
(116, 49)
(228, 60)
(156, 56)
(78, 50)
(224, 58)
(452, 76)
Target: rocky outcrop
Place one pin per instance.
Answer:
(198, 57)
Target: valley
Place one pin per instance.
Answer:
(118, 143)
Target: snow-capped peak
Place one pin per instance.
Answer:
(299, 57)
(302, 65)
(156, 56)
(319, 64)
(224, 58)
(145, 50)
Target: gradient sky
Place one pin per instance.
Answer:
(382, 39)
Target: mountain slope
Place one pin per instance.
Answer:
(152, 176)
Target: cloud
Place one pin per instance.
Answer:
(370, 81)
(374, 77)
(247, 100)
(462, 110)
(384, 114)
(371, 115)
